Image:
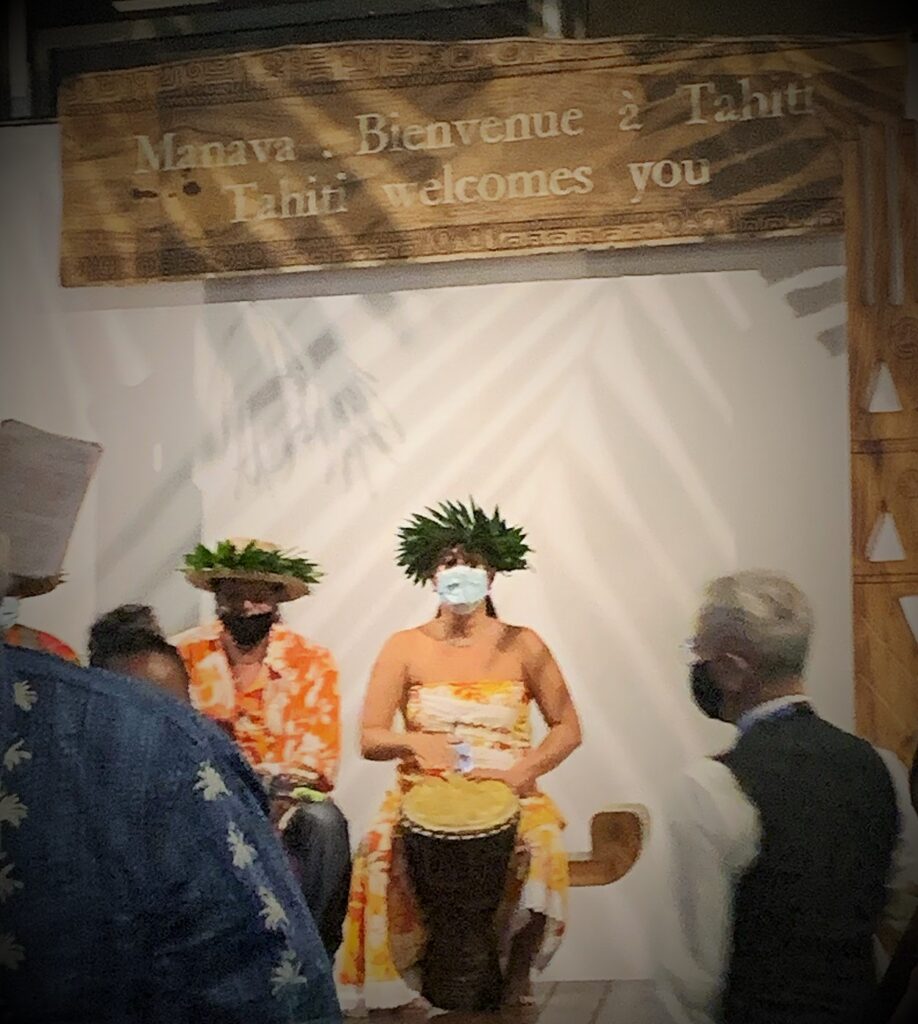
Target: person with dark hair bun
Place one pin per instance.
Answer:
(128, 640)
(107, 628)
(126, 616)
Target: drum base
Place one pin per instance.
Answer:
(462, 971)
(459, 884)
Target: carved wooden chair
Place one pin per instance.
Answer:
(617, 837)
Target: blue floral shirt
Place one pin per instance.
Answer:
(139, 877)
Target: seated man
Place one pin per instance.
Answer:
(277, 694)
(17, 635)
(128, 640)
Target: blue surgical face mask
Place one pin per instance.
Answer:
(462, 587)
(9, 612)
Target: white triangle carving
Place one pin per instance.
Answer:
(883, 395)
(885, 545)
(909, 607)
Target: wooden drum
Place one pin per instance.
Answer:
(458, 838)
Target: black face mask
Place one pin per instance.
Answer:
(706, 693)
(248, 630)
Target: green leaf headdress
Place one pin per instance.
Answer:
(424, 538)
(252, 560)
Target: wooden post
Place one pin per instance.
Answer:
(881, 226)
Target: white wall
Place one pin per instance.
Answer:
(650, 431)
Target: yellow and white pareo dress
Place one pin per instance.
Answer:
(384, 932)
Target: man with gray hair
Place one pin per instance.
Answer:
(788, 849)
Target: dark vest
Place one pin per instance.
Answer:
(806, 910)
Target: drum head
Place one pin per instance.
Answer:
(458, 806)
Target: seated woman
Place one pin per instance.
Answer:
(463, 677)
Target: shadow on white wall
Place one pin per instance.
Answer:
(650, 427)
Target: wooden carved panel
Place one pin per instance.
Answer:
(882, 250)
(886, 666)
(885, 491)
(368, 153)
(881, 221)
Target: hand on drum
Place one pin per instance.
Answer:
(518, 778)
(434, 751)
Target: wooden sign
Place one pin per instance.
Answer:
(359, 154)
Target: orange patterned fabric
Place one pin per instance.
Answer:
(384, 933)
(287, 720)
(37, 640)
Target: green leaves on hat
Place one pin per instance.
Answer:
(252, 559)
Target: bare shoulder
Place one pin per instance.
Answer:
(527, 639)
(401, 643)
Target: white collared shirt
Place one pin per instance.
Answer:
(761, 711)
(714, 837)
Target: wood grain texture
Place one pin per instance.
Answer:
(882, 252)
(886, 666)
(885, 483)
(617, 837)
(360, 154)
(881, 198)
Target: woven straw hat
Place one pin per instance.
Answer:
(206, 579)
(33, 586)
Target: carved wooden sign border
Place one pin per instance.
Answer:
(361, 154)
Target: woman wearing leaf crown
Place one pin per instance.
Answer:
(464, 676)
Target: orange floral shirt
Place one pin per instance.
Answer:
(287, 720)
(38, 640)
